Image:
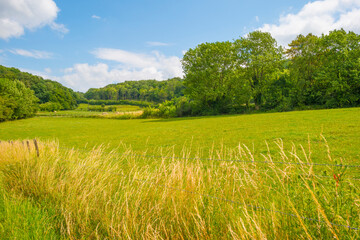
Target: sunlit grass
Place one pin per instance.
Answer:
(82, 111)
(340, 126)
(101, 194)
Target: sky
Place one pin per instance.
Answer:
(91, 43)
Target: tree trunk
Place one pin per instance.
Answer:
(257, 101)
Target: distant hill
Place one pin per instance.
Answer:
(47, 91)
(142, 90)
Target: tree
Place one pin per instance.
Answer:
(259, 56)
(304, 56)
(339, 74)
(211, 75)
(45, 90)
(16, 100)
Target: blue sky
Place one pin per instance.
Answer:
(92, 43)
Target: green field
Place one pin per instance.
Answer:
(82, 112)
(340, 127)
(119, 108)
(61, 193)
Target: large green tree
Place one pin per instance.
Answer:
(326, 69)
(16, 100)
(304, 56)
(212, 75)
(260, 57)
(339, 73)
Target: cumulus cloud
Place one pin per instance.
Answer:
(167, 66)
(32, 53)
(18, 15)
(317, 17)
(131, 66)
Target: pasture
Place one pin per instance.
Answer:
(339, 126)
(274, 175)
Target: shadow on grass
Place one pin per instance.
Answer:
(189, 118)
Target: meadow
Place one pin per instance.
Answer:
(339, 126)
(259, 176)
(84, 111)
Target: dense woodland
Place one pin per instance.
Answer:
(144, 90)
(16, 100)
(22, 94)
(254, 73)
(249, 74)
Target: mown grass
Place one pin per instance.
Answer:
(340, 126)
(107, 195)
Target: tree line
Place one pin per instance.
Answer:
(143, 90)
(254, 73)
(22, 94)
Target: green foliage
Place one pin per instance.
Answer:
(50, 106)
(117, 102)
(212, 76)
(230, 77)
(150, 112)
(326, 69)
(260, 58)
(16, 100)
(101, 108)
(45, 90)
(143, 91)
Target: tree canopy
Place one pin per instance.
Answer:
(142, 90)
(16, 100)
(253, 71)
(45, 90)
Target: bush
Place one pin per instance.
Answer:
(150, 112)
(50, 107)
(16, 100)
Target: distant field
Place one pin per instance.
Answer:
(119, 108)
(340, 127)
(121, 112)
(83, 111)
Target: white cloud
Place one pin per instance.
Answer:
(95, 17)
(133, 66)
(157, 44)
(317, 17)
(59, 27)
(168, 66)
(257, 18)
(18, 15)
(32, 53)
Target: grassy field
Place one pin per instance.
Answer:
(82, 112)
(340, 127)
(119, 108)
(165, 178)
(55, 194)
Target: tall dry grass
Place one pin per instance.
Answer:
(107, 195)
